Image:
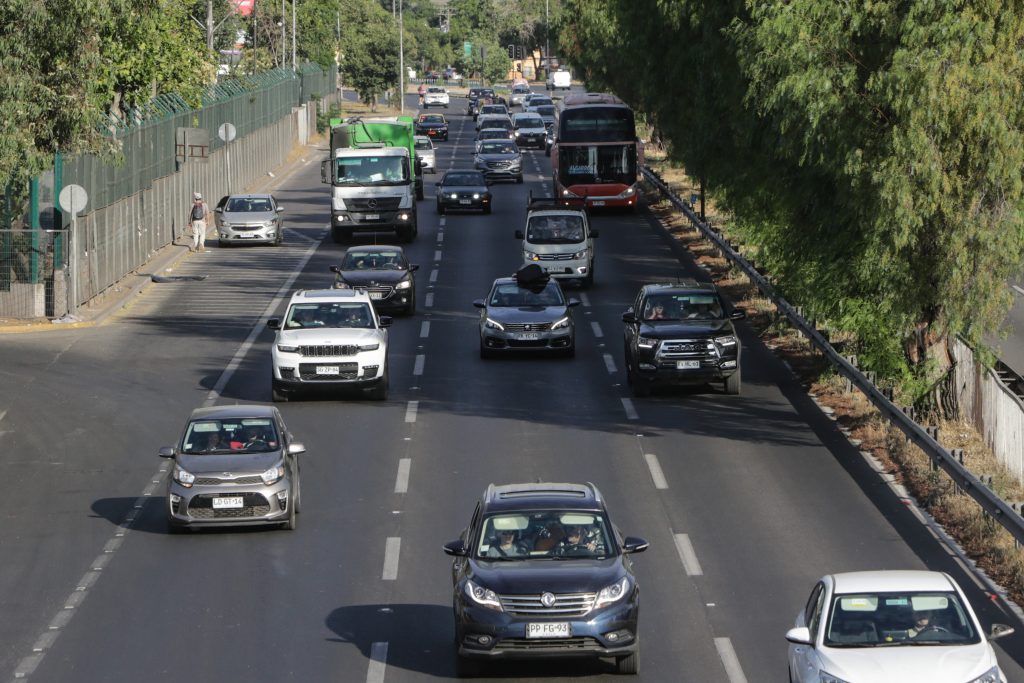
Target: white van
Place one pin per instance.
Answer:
(560, 240)
(559, 80)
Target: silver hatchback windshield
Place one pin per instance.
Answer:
(237, 435)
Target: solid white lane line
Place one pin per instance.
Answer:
(732, 663)
(378, 663)
(584, 299)
(656, 474)
(437, 255)
(411, 410)
(429, 300)
(609, 363)
(424, 329)
(627, 405)
(417, 368)
(433, 275)
(1018, 290)
(391, 550)
(687, 555)
(596, 327)
(402, 480)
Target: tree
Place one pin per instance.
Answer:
(370, 40)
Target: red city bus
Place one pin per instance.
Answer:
(596, 153)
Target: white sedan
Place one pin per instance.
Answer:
(891, 627)
(435, 97)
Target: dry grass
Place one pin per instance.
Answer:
(980, 536)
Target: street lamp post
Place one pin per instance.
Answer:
(293, 35)
(547, 36)
(401, 60)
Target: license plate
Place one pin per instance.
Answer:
(558, 629)
(528, 336)
(226, 503)
(373, 217)
(687, 364)
(328, 370)
(465, 201)
(597, 203)
(376, 295)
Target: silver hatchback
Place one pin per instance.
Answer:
(234, 465)
(248, 218)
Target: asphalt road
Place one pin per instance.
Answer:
(762, 486)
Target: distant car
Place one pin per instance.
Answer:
(463, 190)
(433, 126)
(517, 94)
(475, 95)
(494, 110)
(452, 75)
(538, 100)
(500, 160)
(496, 121)
(529, 130)
(547, 114)
(234, 465)
(681, 333)
(248, 219)
(384, 272)
(891, 626)
(559, 80)
(489, 134)
(435, 97)
(425, 152)
(541, 571)
(526, 312)
(560, 240)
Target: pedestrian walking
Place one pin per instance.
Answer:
(197, 217)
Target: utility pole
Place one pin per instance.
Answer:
(209, 25)
(294, 67)
(283, 37)
(547, 36)
(401, 60)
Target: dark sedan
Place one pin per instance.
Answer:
(433, 126)
(463, 191)
(500, 160)
(527, 312)
(384, 272)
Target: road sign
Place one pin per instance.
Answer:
(73, 199)
(467, 49)
(226, 132)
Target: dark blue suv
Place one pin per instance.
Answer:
(542, 572)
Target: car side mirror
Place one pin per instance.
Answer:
(737, 314)
(572, 303)
(274, 323)
(632, 544)
(595, 233)
(437, 184)
(413, 267)
(335, 269)
(219, 209)
(455, 548)
(170, 452)
(479, 303)
(296, 448)
(325, 168)
(800, 635)
(629, 317)
(519, 235)
(1000, 630)
(280, 209)
(385, 321)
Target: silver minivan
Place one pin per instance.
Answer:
(560, 240)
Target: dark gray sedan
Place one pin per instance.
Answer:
(500, 160)
(384, 272)
(234, 465)
(463, 191)
(526, 312)
(248, 219)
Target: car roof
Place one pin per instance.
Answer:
(374, 248)
(329, 295)
(234, 411)
(896, 580)
(543, 496)
(555, 212)
(682, 286)
(256, 195)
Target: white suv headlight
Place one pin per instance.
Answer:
(288, 348)
(183, 476)
(579, 254)
(530, 256)
(990, 676)
(483, 596)
(561, 323)
(612, 593)
(369, 347)
(273, 475)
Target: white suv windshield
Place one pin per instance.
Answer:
(555, 230)
(344, 314)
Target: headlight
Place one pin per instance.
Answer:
(566, 193)
(579, 254)
(829, 678)
(530, 256)
(493, 324)
(483, 596)
(612, 593)
(726, 341)
(269, 224)
(629, 192)
(273, 475)
(455, 195)
(990, 676)
(404, 284)
(287, 348)
(518, 133)
(561, 323)
(476, 195)
(647, 343)
(369, 347)
(183, 476)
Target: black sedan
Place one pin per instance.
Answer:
(463, 190)
(384, 272)
(433, 126)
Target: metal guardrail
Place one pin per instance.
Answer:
(992, 504)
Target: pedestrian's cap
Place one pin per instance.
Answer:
(196, 195)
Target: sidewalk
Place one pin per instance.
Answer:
(101, 308)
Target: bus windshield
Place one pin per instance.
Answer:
(597, 164)
(596, 124)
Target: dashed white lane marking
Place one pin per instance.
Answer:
(429, 300)
(3, 414)
(609, 363)
(378, 663)
(424, 329)
(732, 663)
(1018, 289)
(687, 555)
(402, 480)
(417, 368)
(627, 405)
(433, 275)
(656, 474)
(411, 410)
(584, 299)
(437, 255)
(392, 548)
(596, 327)
(440, 237)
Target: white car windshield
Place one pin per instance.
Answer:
(340, 314)
(555, 230)
(898, 619)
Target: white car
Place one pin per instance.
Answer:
(891, 627)
(330, 338)
(530, 130)
(425, 153)
(435, 97)
(559, 80)
(560, 240)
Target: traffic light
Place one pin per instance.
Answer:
(519, 52)
(511, 51)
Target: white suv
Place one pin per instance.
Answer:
(560, 240)
(331, 338)
(435, 97)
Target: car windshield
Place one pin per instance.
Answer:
(497, 122)
(234, 435)
(247, 205)
(546, 110)
(435, 90)
(497, 148)
(474, 179)
(372, 170)
(424, 145)
(695, 306)
(544, 534)
(373, 260)
(493, 109)
(899, 619)
(512, 295)
(540, 100)
(334, 314)
(431, 118)
(529, 122)
(558, 229)
(493, 134)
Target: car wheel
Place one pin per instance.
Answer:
(570, 352)
(291, 523)
(487, 209)
(467, 668)
(276, 395)
(298, 495)
(340, 235)
(411, 308)
(175, 527)
(440, 209)
(588, 281)
(641, 387)
(519, 179)
(628, 665)
(733, 383)
(380, 392)
(485, 352)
